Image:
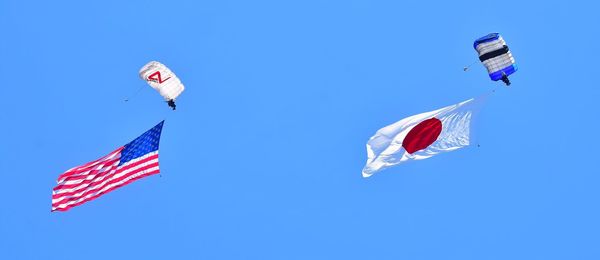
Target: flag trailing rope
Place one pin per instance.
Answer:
(128, 163)
(420, 136)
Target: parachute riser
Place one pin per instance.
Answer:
(134, 94)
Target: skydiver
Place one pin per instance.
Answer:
(171, 103)
(505, 79)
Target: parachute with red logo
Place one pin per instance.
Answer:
(162, 79)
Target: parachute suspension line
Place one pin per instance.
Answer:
(134, 94)
(488, 94)
(466, 68)
(483, 99)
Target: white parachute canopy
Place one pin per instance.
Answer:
(161, 78)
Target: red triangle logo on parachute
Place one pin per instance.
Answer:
(156, 77)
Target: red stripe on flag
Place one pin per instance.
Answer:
(101, 175)
(107, 171)
(56, 208)
(103, 182)
(106, 183)
(79, 169)
(83, 197)
(105, 166)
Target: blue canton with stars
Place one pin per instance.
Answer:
(145, 143)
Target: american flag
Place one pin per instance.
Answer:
(128, 163)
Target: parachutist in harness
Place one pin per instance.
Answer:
(505, 79)
(163, 80)
(496, 57)
(171, 103)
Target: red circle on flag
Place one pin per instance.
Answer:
(422, 135)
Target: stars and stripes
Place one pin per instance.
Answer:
(128, 163)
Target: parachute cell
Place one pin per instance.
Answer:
(496, 57)
(162, 79)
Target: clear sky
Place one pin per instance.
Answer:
(263, 157)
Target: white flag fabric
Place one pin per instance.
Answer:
(420, 137)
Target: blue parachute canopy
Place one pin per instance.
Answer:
(495, 56)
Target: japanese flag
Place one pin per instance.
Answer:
(420, 136)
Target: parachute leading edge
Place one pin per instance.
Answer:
(496, 57)
(161, 78)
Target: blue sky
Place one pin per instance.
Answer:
(263, 157)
